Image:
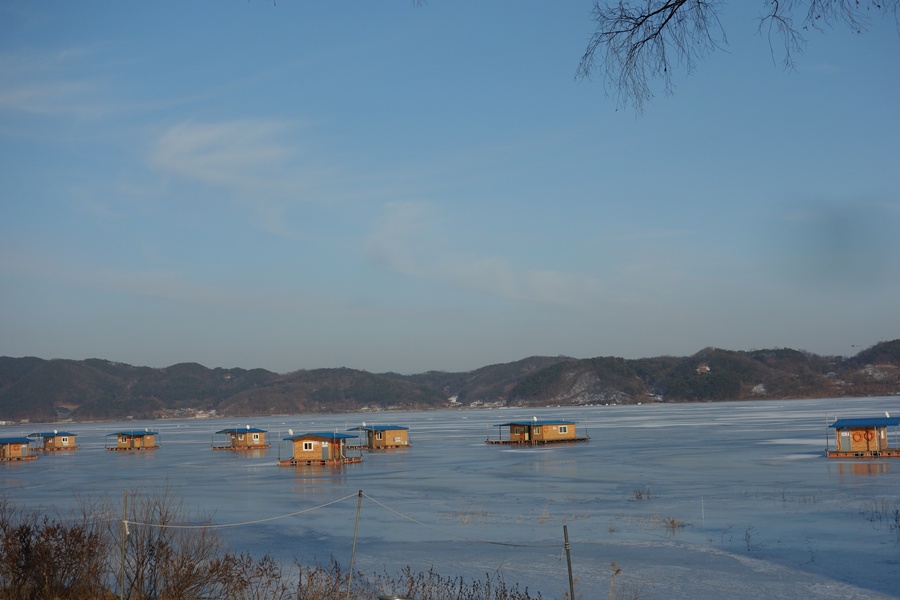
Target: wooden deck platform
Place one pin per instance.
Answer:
(12, 458)
(886, 453)
(242, 448)
(329, 462)
(536, 442)
(115, 449)
(376, 448)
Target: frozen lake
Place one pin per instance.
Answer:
(699, 501)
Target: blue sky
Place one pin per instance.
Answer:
(398, 188)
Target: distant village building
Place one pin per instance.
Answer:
(15, 448)
(384, 437)
(135, 439)
(319, 448)
(863, 438)
(247, 438)
(536, 432)
(55, 441)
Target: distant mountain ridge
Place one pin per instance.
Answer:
(42, 390)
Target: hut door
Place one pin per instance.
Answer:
(523, 433)
(324, 450)
(844, 444)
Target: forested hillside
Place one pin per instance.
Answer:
(50, 390)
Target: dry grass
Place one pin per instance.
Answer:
(91, 556)
(883, 513)
(642, 494)
(464, 517)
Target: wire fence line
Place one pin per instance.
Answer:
(128, 523)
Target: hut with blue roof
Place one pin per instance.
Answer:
(242, 438)
(133, 439)
(537, 432)
(863, 438)
(55, 441)
(15, 448)
(384, 437)
(319, 448)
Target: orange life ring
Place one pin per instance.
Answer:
(870, 436)
(857, 436)
(15, 447)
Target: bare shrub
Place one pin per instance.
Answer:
(244, 578)
(321, 583)
(44, 557)
(152, 549)
(433, 586)
(166, 554)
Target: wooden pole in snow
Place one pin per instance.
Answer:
(569, 563)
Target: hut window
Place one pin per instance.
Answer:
(537, 431)
(123, 440)
(255, 437)
(240, 436)
(65, 441)
(379, 435)
(307, 446)
(564, 429)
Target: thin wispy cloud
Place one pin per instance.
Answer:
(167, 285)
(17, 260)
(50, 98)
(51, 84)
(250, 158)
(235, 154)
(406, 241)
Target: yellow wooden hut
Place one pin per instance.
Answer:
(134, 439)
(15, 448)
(536, 432)
(246, 438)
(384, 437)
(319, 448)
(863, 438)
(55, 441)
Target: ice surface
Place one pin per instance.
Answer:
(700, 501)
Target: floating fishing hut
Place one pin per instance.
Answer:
(55, 441)
(384, 437)
(319, 448)
(135, 439)
(15, 448)
(248, 438)
(863, 438)
(537, 432)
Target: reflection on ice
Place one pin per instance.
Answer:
(818, 443)
(800, 456)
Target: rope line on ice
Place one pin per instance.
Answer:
(461, 537)
(223, 525)
(128, 522)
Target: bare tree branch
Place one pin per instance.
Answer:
(638, 41)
